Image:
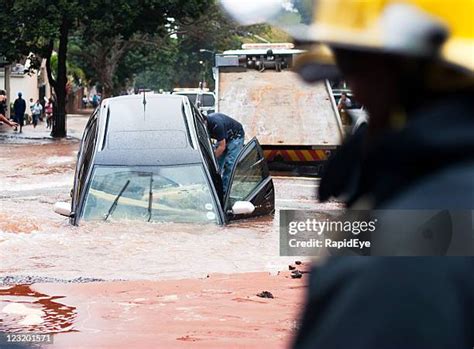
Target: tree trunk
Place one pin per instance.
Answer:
(105, 80)
(108, 59)
(59, 119)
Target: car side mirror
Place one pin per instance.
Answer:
(243, 207)
(62, 208)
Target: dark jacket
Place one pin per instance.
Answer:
(19, 107)
(390, 303)
(402, 302)
(435, 149)
(436, 145)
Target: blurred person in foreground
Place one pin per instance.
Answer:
(410, 63)
(416, 82)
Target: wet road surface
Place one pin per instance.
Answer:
(35, 241)
(37, 245)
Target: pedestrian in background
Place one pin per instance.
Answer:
(344, 102)
(36, 110)
(3, 110)
(43, 105)
(95, 101)
(19, 108)
(31, 103)
(84, 102)
(48, 109)
(54, 103)
(28, 116)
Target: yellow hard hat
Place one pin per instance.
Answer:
(426, 28)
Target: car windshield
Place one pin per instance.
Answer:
(156, 194)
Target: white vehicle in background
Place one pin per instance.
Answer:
(202, 99)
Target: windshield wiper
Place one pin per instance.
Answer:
(150, 197)
(114, 205)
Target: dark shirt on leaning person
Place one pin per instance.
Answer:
(221, 127)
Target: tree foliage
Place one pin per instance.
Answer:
(106, 27)
(178, 62)
(119, 43)
(33, 27)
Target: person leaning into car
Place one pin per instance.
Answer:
(229, 135)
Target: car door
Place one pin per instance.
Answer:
(83, 166)
(208, 153)
(250, 181)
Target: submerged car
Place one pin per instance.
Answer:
(150, 158)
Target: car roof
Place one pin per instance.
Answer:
(146, 129)
(193, 92)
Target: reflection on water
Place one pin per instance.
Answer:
(25, 310)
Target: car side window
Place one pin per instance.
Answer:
(249, 171)
(203, 135)
(206, 146)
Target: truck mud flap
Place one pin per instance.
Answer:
(296, 169)
(297, 160)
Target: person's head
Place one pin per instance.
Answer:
(31, 100)
(20, 95)
(343, 96)
(396, 56)
(3, 96)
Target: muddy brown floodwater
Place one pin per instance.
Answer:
(38, 245)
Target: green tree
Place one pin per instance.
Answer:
(43, 26)
(31, 28)
(177, 61)
(106, 40)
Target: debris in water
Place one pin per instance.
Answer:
(265, 294)
(296, 274)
